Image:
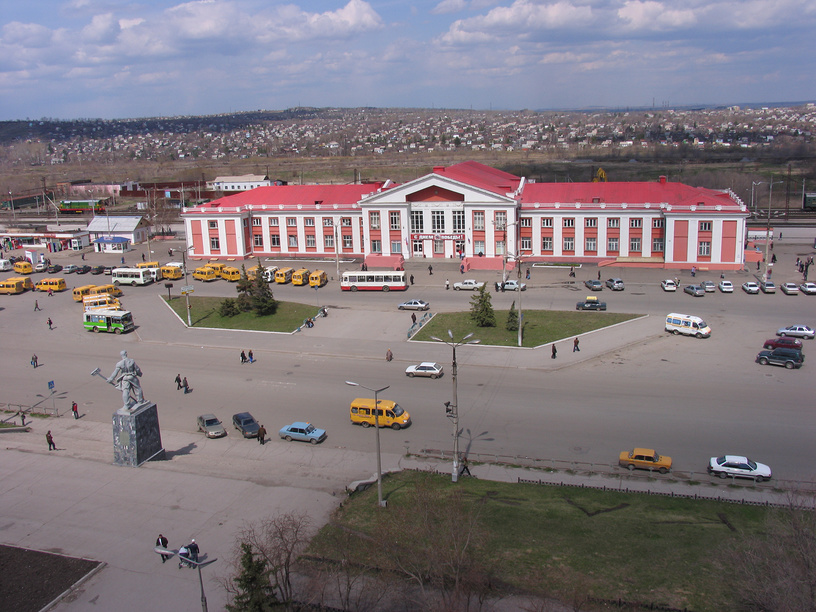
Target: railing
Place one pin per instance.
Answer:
(16, 409)
(591, 469)
(418, 325)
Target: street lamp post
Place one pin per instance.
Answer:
(771, 183)
(376, 393)
(166, 552)
(187, 283)
(453, 407)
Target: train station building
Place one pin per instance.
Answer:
(484, 216)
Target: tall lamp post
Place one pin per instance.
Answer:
(167, 552)
(771, 183)
(376, 393)
(186, 283)
(452, 408)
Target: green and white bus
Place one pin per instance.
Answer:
(116, 321)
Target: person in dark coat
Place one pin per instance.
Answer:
(178, 382)
(162, 541)
(554, 352)
(50, 439)
(262, 435)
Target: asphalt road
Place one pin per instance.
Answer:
(630, 386)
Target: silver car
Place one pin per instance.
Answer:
(797, 331)
(695, 290)
(708, 286)
(211, 426)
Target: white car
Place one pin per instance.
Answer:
(767, 287)
(468, 284)
(808, 288)
(414, 305)
(750, 287)
(668, 285)
(513, 285)
(797, 331)
(708, 286)
(789, 288)
(726, 286)
(739, 466)
(426, 368)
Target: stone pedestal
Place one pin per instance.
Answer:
(136, 435)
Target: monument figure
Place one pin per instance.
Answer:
(126, 377)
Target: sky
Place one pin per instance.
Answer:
(117, 59)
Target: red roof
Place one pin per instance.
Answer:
(479, 175)
(634, 195)
(291, 196)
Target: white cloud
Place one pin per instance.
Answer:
(651, 15)
(449, 6)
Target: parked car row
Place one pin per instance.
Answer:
(786, 349)
(249, 428)
(724, 466)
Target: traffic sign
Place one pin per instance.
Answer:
(187, 289)
(51, 385)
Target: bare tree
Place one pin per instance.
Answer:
(279, 541)
(775, 571)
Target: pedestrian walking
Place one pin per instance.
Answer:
(412, 279)
(37, 305)
(413, 318)
(389, 355)
(50, 323)
(447, 284)
(22, 418)
(75, 410)
(50, 292)
(461, 268)
(430, 270)
(773, 258)
(572, 272)
(243, 357)
(262, 435)
(185, 386)
(50, 439)
(123, 260)
(143, 256)
(250, 357)
(184, 557)
(599, 275)
(34, 361)
(757, 265)
(554, 352)
(162, 541)
(465, 467)
(83, 257)
(527, 276)
(178, 382)
(575, 347)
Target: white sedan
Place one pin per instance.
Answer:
(750, 287)
(726, 286)
(741, 467)
(789, 288)
(468, 285)
(426, 368)
(808, 288)
(668, 285)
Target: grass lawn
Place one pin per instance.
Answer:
(561, 540)
(204, 313)
(540, 326)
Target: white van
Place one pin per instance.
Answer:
(689, 325)
(5, 265)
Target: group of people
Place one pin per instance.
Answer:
(247, 357)
(181, 383)
(188, 554)
(803, 265)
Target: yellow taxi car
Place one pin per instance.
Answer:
(645, 459)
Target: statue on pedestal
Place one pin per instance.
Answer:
(126, 377)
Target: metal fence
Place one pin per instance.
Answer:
(614, 471)
(13, 410)
(418, 325)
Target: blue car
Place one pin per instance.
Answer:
(304, 432)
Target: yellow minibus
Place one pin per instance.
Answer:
(54, 284)
(283, 275)
(300, 277)
(81, 292)
(318, 278)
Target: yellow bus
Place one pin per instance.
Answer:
(54, 284)
(300, 277)
(230, 274)
(206, 274)
(23, 267)
(283, 275)
(318, 278)
(101, 300)
(215, 265)
(109, 289)
(81, 292)
(27, 284)
(11, 286)
(171, 272)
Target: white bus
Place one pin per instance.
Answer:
(374, 281)
(131, 276)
